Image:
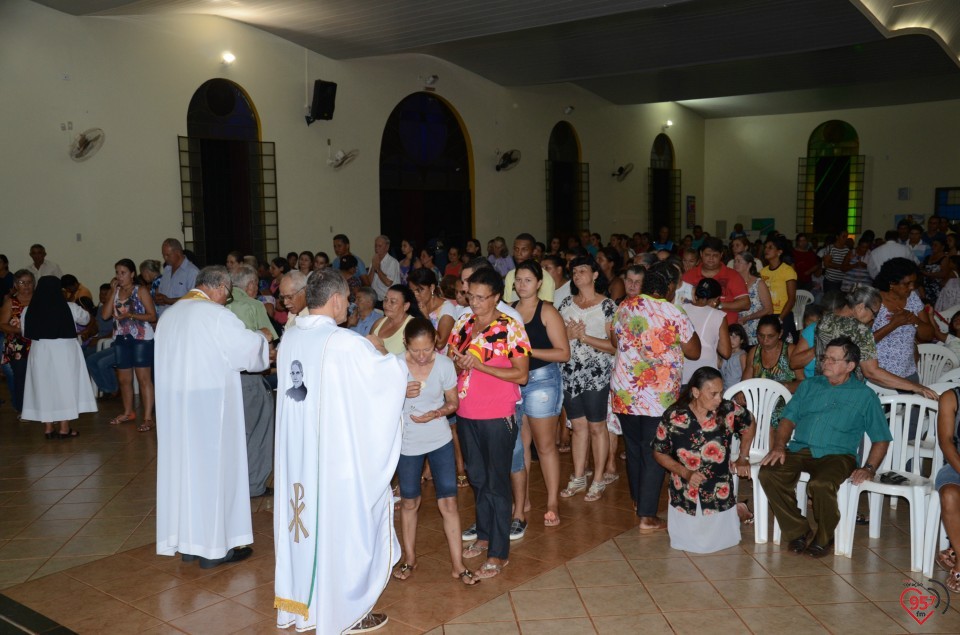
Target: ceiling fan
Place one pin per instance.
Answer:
(342, 158)
(508, 160)
(622, 172)
(86, 144)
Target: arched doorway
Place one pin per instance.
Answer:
(830, 181)
(228, 177)
(425, 174)
(568, 185)
(663, 188)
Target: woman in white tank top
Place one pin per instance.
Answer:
(711, 326)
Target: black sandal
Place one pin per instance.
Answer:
(467, 574)
(68, 434)
(50, 435)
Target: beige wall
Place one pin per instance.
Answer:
(753, 162)
(134, 78)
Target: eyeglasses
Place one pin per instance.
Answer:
(473, 297)
(282, 297)
(24, 283)
(824, 359)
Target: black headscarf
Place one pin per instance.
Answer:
(49, 317)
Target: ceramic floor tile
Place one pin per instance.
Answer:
(862, 617)
(754, 592)
(557, 627)
(52, 528)
(546, 604)
(259, 599)
(617, 600)
(492, 628)
(649, 624)
(775, 620)
(92, 545)
(99, 495)
(827, 589)
(19, 549)
(606, 551)
(729, 567)
(879, 587)
(686, 596)
(177, 601)
(218, 619)
(138, 585)
(863, 561)
(939, 621)
(39, 497)
(558, 578)
(496, 610)
(14, 571)
(607, 573)
(62, 511)
(694, 622)
(56, 564)
(656, 571)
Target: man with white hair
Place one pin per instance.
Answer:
(293, 295)
(200, 348)
(179, 275)
(257, 394)
(384, 269)
(338, 443)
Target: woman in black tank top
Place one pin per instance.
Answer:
(543, 393)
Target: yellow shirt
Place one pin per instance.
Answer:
(545, 293)
(776, 280)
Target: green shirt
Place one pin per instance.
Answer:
(251, 312)
(833, 419)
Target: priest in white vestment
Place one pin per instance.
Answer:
(203, 500)
(337, 449)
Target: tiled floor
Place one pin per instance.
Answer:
(76, 545)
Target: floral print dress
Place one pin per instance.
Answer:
(588, 368)
(701, 446)
(755, 305)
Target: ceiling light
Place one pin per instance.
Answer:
(668, 123)
(228, 58)
(430, 80)
(568, 110)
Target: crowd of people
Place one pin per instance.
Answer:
(526, 352)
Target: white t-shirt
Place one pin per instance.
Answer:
(391, 269)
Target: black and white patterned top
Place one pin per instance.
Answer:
(588, 368)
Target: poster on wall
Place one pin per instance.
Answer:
(913, 219)
(762, 226)
(691, 211)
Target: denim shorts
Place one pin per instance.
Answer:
(947, 476)
(443, 468)
(591, 404)
(543, 394)
(132, 353)
(517, 464)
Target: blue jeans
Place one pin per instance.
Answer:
(100, 366)
(443, 467)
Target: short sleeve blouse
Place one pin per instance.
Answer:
(588, 368)
(421, 438)
(895, 351)
(701, 446)
(649, 363)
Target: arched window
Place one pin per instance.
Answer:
(228, 177)
(568, 185)
(663, 189)
(830, 181)
(425, 174)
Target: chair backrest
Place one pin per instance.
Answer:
(935, 360)
(803, 299)
(952, 376)
(761, 397)
(942, 386)
(911, 418)
(880, 390)
(950, 312)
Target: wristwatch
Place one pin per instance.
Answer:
(867, 466)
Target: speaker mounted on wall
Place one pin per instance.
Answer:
(324, 100)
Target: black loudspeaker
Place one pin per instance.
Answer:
(324, 99)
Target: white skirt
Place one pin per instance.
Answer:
(703, 533)
(58, 386)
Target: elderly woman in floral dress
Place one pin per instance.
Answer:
(693, 443)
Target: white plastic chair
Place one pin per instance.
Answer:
(846, 521)
(803, 299)
(880, 390)
(935, 360)
(901, 453)
(952, 376)
(761, 397)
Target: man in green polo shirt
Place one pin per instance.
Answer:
(826, 419)
(258, 404)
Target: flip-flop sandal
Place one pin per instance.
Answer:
(462, 481)
(947, 559)
(550, 519)
(743, 511)
(953, 581)
(490, 570)
(649, 530)
(564, 449)
(468, 578)
(474, 550)
(122, 419)
(404, 571)
(146, 426)
(610, 477)
(69, 434)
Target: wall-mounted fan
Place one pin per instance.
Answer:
(86, 144)
(508, 160)
(342, 158)
(622, 172)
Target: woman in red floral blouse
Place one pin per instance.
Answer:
(693, 443)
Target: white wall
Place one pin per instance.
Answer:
(134, 78)
(753, 162)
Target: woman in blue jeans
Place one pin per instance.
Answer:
(134, 313)
(543, 393)
(431, 398)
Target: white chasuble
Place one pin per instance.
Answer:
(339, 404)
(203, 500)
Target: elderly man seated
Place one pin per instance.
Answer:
(827, 419)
